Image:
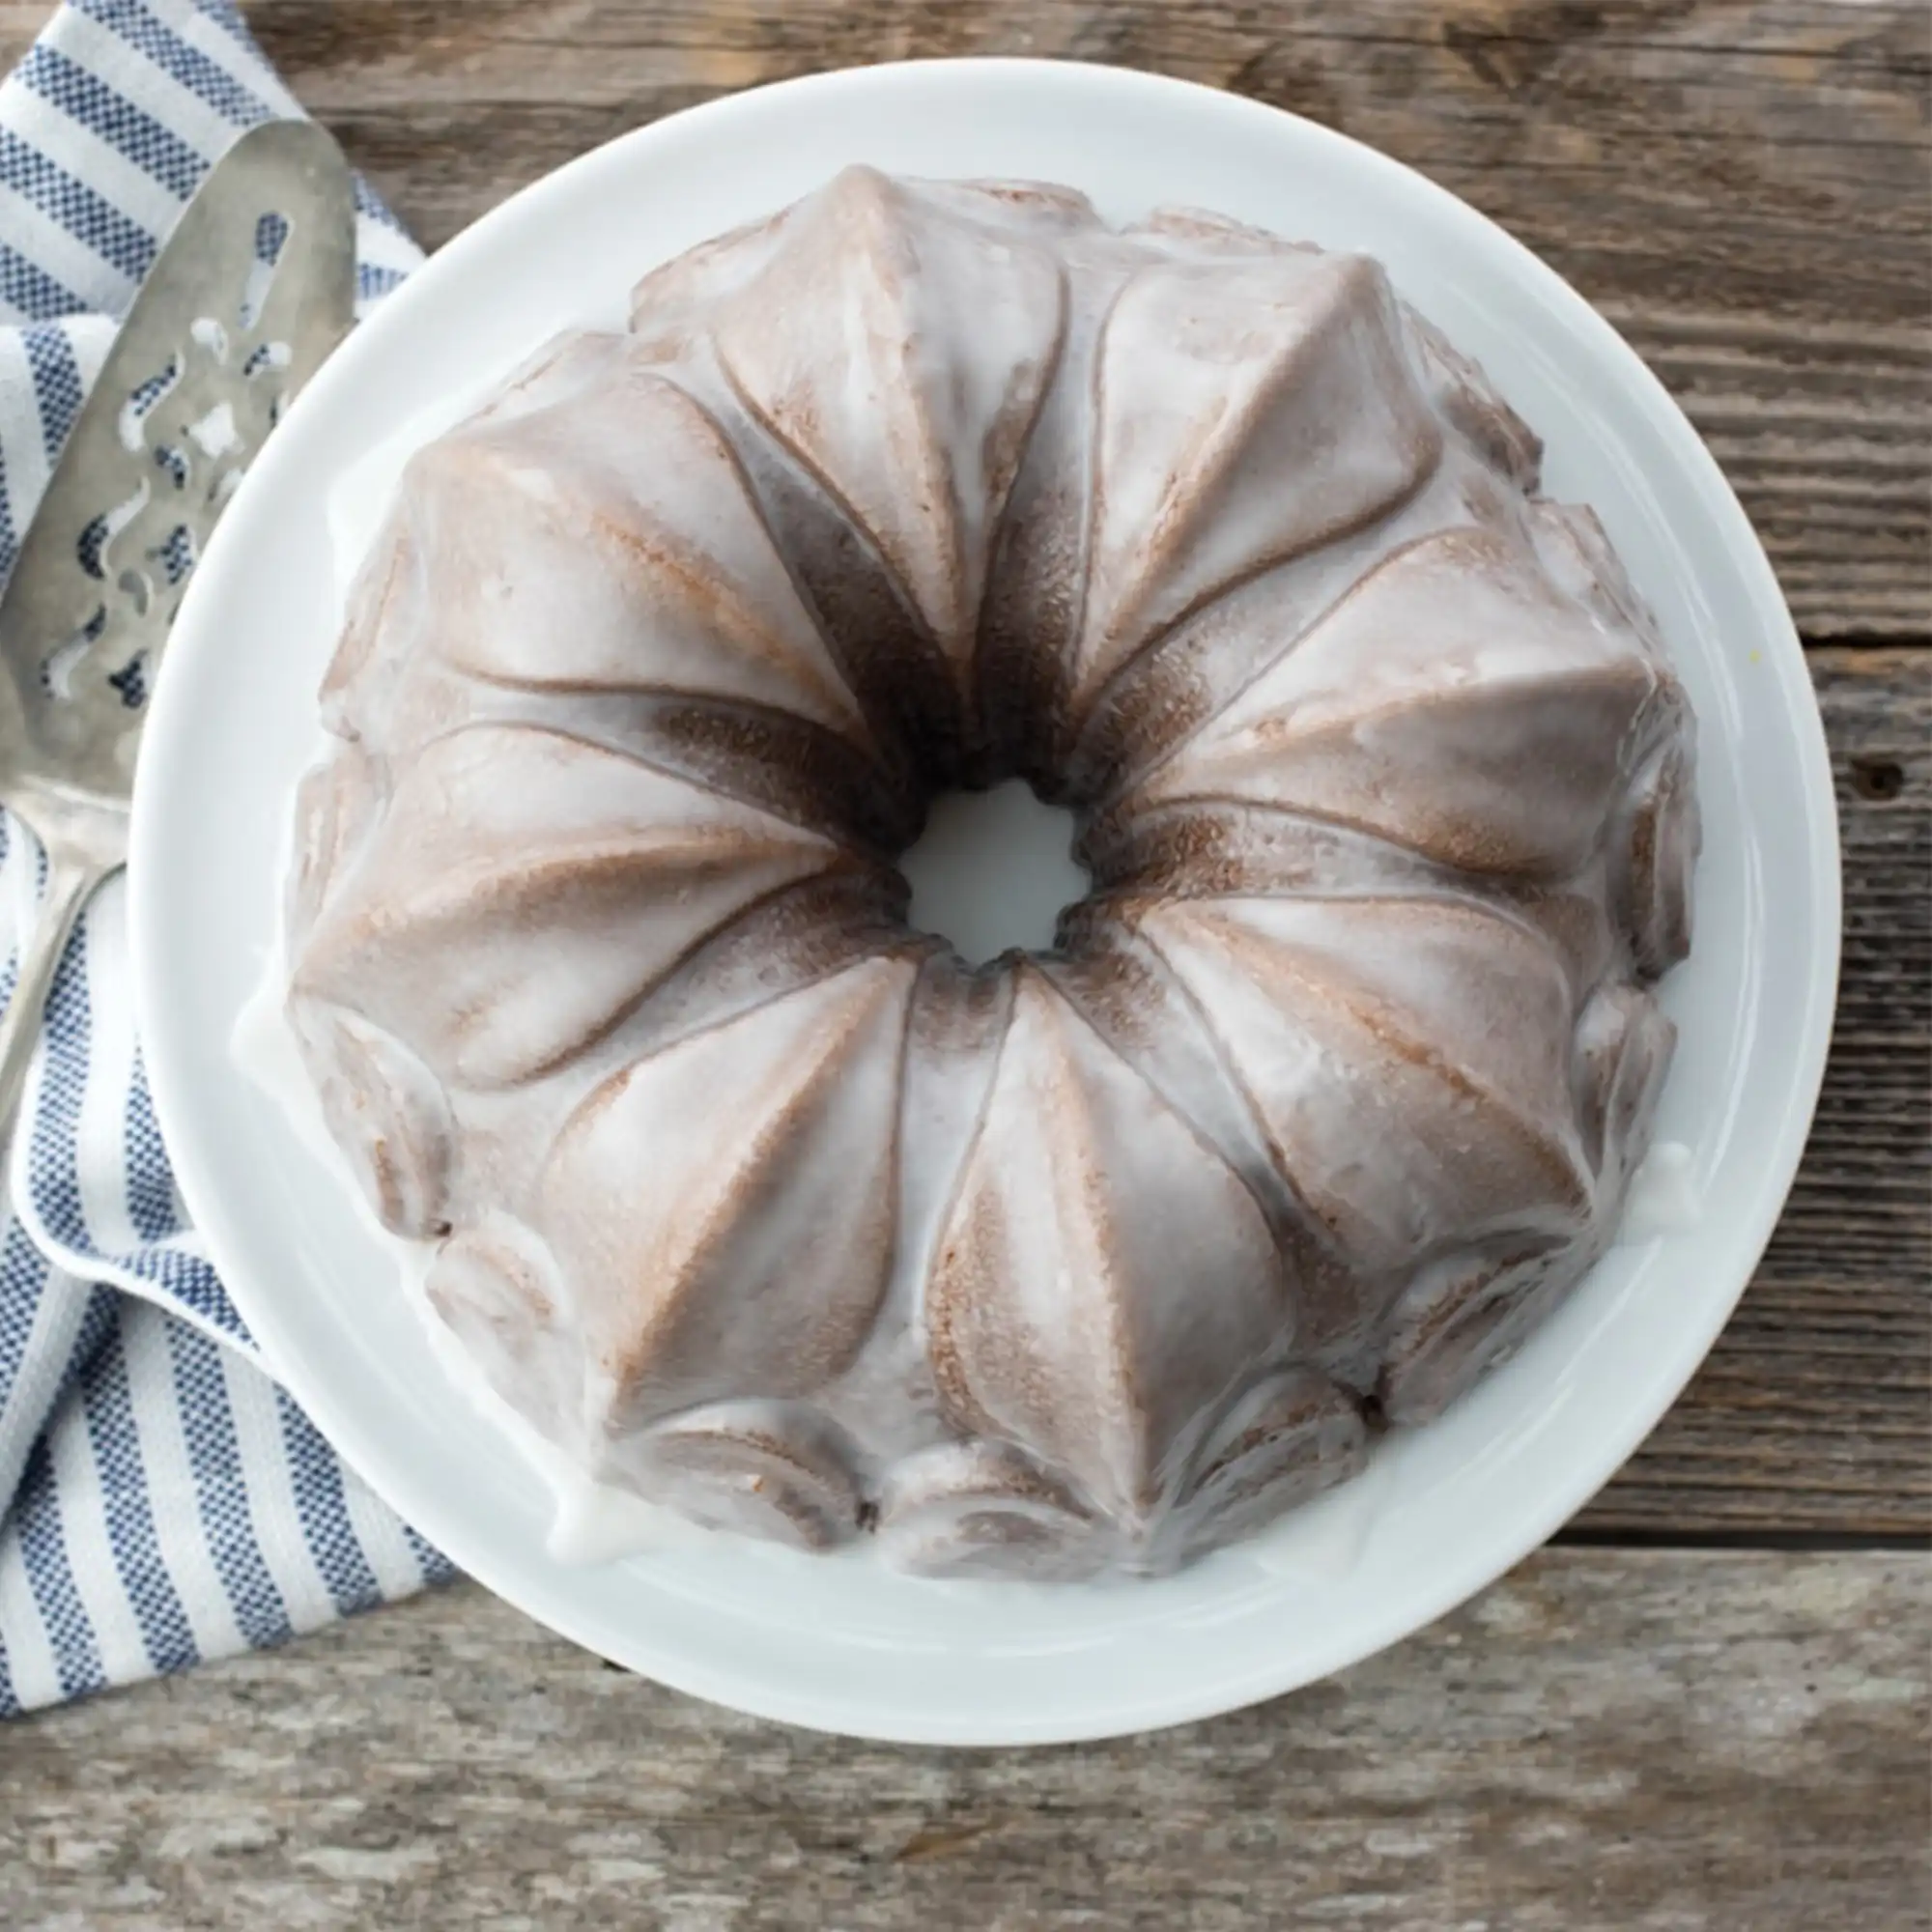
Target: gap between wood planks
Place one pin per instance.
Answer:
(1809, 1543)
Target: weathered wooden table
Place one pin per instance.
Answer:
(1706, 1704)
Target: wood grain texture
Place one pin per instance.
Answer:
(1813, 1414)
(1740, 185)
(1660, 1740)
(1604, 1741)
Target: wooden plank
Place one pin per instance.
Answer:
(1605, 1742)
(1738, 184)
(1811, 1415)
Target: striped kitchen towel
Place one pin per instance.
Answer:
(161, 1500)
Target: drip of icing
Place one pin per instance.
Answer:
(596, 1525)
(1663, 1196)
(1327, 1538)
(360, 498)
(591, 1523)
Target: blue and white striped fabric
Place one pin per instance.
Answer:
(161, 1500)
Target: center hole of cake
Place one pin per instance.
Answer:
(993, 869)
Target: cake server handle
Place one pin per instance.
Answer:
(70, 882)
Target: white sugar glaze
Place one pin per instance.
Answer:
(753, 1203)
(1663, 1198)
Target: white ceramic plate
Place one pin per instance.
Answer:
(842, 1644)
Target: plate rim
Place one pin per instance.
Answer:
(201, 1187)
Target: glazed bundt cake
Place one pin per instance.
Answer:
(759, 1204)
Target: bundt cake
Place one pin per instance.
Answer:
(757, 1203)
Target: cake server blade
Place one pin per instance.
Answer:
(252, 290)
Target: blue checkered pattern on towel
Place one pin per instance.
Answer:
(161, 1500)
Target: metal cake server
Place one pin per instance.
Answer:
(253, 288)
